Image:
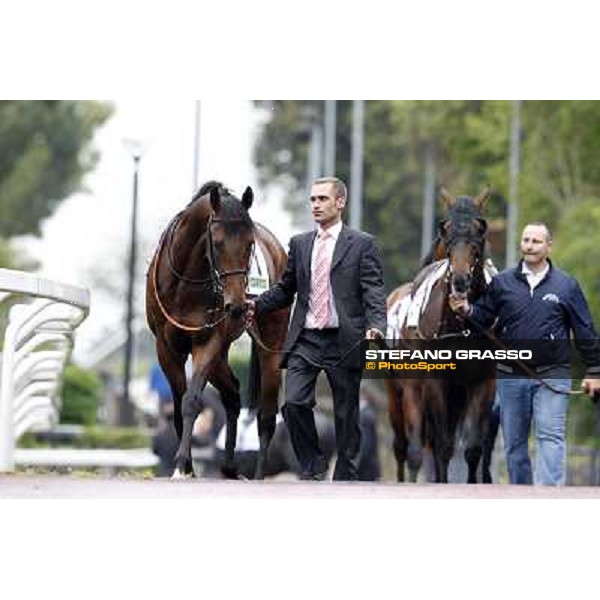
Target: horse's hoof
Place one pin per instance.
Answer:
(177, 474)
(229, 472)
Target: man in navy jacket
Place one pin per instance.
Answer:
(537, 301)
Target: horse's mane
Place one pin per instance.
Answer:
(231, 207)
(207, 187)
(463, 210)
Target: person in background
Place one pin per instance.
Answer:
(369, 468)
(165, 441)
(537, 301)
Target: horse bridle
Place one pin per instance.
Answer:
(476, 241)
(213, 281)
(216, 274)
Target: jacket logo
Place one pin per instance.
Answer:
(551, 298)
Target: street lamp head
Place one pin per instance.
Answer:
(134, 147)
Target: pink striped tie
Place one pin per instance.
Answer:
(321, 282)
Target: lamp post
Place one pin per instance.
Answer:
(356, 163)
(126, 410)
(513, 190)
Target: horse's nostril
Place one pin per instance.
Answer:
(235, 312)
(461, 284)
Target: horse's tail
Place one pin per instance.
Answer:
(254, 382)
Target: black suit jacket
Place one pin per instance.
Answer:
(356, 283)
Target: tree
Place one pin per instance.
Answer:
(576, 249)
(470, 142)
(396, 137)
(45, 151)
(80, 396)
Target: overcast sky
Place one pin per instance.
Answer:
(89, 233)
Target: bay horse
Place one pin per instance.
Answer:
(195, 305)
(428, 412)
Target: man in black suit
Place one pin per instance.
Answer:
(336, 275)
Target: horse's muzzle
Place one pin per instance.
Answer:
(461, 283)
(235, 311)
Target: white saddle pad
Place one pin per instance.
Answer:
(489, 270)
(410, 308)
(396, 316)
(420, 298)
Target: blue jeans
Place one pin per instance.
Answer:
(522, 400)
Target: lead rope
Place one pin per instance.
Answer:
(255, 335)
(530, 372)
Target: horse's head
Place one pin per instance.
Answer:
(230, 245)
(463, 235)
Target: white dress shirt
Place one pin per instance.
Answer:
(533, 279)
(330, 241)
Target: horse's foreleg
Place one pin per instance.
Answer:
(400, 448)
(412, 407)
(270, 380)
(488, 446)
(394, 390)
(173, 366)
(191, 405)
(438, 432)
(266, 429)
(226, 382)
(273, 332)
(477, 424)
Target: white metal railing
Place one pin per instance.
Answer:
(37, 344)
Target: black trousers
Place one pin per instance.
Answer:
(321, 348)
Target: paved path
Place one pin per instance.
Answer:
(56, 486)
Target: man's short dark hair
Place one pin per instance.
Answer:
(341, 191)
(542, 224)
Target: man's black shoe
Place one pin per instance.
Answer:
(307, 476)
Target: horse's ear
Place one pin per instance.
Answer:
(442, 227)
(484, 196)
(447, 197)
(215, 199)
(247, 198)
(483, 224)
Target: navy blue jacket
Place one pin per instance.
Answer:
(555, 308)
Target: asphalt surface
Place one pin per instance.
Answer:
(24, 486)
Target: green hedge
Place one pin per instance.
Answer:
(80, 396)
(122, 438)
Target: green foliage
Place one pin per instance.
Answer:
(397, 135)
(10, 258)
(577, 251)
(470, 142)
(113, 437)
(584, 421)
(123, 438)
(44, 153)
(80, 396)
